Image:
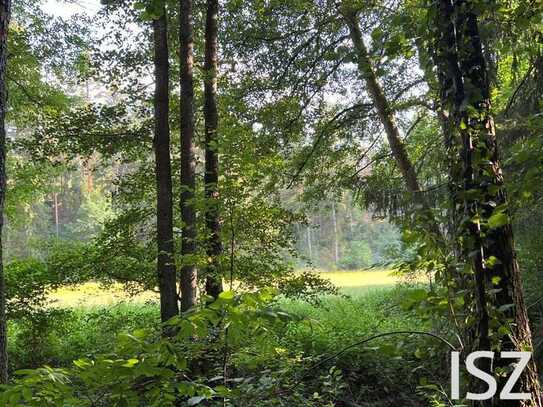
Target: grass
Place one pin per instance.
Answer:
(356, 283)
(94, 295)
(91, 294)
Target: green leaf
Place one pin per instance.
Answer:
(27, 394)
(131, 363)
(81, 363)
(226, 295)
(504, 330)
(498, 220)
(419, 294)
(24, 372)
(491, 262)
(496, 280)
(387, 349)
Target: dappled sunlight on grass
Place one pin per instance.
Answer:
(94, 294)
(360, 278)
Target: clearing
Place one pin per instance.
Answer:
(94, 294)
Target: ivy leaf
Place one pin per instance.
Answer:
(496, 280)
(498, 220)
(491, 262)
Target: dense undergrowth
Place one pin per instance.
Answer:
(298, 354)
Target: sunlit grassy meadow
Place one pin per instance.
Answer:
(357, 283)
(93, 294)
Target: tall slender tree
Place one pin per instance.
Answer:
(188, 241)
(388, 120)
(211, 178)
(164, 217)
(5, 14)
(486, 233)
(378, 97)
(336, 237)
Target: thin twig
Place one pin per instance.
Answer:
(517, 90)
(535, 303)
(319, 138)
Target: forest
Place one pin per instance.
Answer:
(271, 203)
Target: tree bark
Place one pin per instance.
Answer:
(55, 215)
(384, 111)
(211, 178)
(164, 205)
(336, 238)
(5, 15)
(465, 92)
(188, 242)
(309, 245)
(386, 116)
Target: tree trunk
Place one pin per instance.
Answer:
(55, 215)
(386, 116)
(188, 214)
(5, 14)
(336, 241)
(351, 217)
(309, 245)
(464, 78)
(164, 210)
(211, 177)
(384, 111)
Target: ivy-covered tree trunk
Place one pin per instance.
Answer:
(5, 14)
(164, 205)
(486, 236)
(188, 214)
(211, 177)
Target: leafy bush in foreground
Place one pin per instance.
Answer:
(148, 369)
